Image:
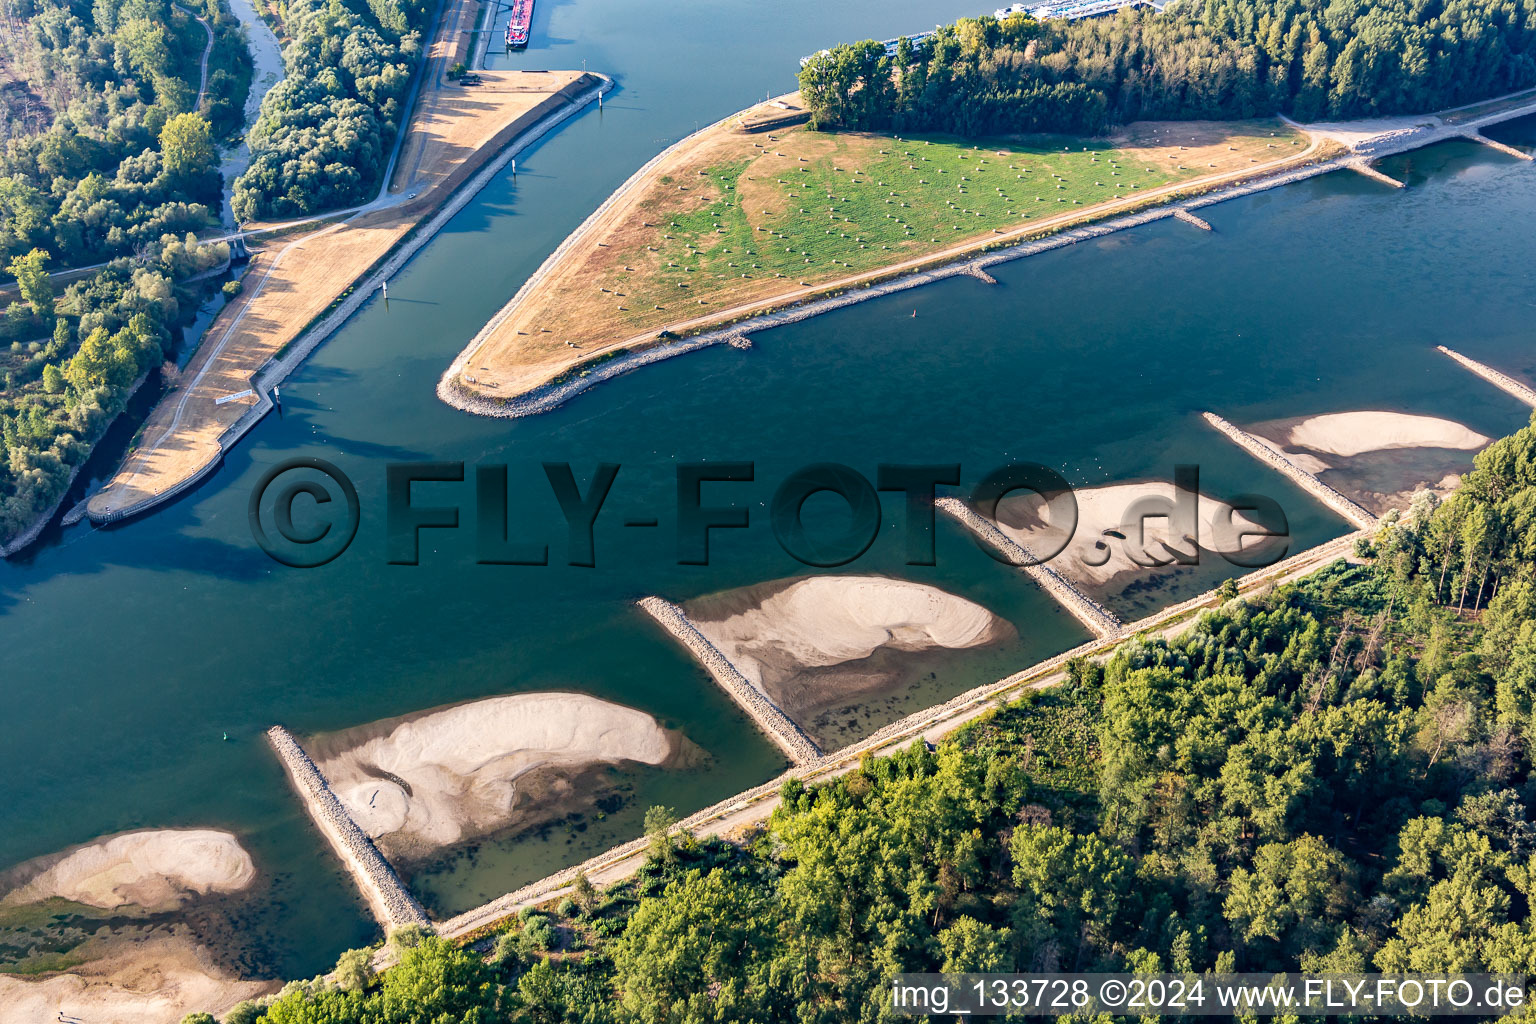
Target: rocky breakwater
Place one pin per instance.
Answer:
(768, 716)
(1095, 616)
(1311, 484)
(391, 903)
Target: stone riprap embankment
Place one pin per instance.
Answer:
(392, 904)
(604, 368)
(1500, 146)
(278, 369)
(1502, 381)
(1095, 616)
(753, 701)
(748, 808)
(1364, 167)
(1309, 483)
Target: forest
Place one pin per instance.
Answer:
(1199, 59)
(1334, 775)
(325, 131)
(105, 161)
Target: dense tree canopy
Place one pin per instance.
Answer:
(326, 130)
(94, 90)
(1215, 59)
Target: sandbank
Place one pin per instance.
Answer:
(431, 780)
(816, 641)
(156, 870)
(1378, 458)
(1098, 551)
(1354, 433)
(152, 979)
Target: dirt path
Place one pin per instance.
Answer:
(298, 291)
(202, 85)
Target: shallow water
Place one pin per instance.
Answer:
(129, 652)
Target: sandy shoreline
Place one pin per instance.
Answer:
(121, 965)
(428, 781)
(156, 977)
(824, 640)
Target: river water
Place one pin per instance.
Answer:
(128, 653)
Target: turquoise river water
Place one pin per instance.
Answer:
(127, 653)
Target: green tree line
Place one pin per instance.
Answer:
(325, 131)
(1200, 59)
(60, 390)
(102, 158)
(1331, 776)
(102, 151)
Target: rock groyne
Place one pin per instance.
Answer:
(753, 805)
(392, 904)
(1519, 154)
(1362, 166)
(1269, 456)
(1091, 613)
(768, 716)
(556, 393)
(1188, 218)
(1502, 381)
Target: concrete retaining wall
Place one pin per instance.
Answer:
(1267, 455)
(753, 701)
(392, 904)
(1502, 381)
(1091, 613)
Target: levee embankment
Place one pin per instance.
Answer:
(1309, 483)
(1503, 381)
(321, 280)
(616, 363)
(391, 903)
(768, 716)
(1089, 612)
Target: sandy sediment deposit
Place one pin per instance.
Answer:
(156, 870)
(1378, 458)
(819, 641)
(1352, 433)
(428, 781)
(156, 977)
(1103, 547)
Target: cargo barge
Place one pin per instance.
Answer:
(521, 25)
